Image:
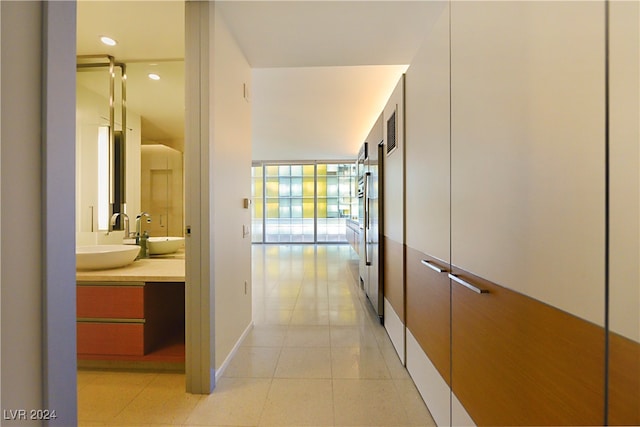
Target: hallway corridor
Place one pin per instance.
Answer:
(317, 356)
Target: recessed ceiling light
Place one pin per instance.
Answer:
(108, 41)
(154, 76)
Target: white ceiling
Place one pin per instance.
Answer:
(322, 70)
(322, 112)
(328, 33)
(150, 36)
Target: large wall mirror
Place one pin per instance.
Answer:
(107, 139)
(129, 141)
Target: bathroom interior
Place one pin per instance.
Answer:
(130, 201)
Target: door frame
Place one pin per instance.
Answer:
(58, 193)
(199, 294)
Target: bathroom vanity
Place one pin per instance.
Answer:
(131, 315)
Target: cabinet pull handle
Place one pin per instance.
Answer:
(433, 266)
(468, 285)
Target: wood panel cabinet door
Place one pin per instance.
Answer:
(517, 361)
(428, 308)
(527, 211)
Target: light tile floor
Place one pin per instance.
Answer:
(317, 356)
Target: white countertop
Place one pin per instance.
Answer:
(166, 268)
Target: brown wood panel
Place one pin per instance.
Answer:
(110, 338)
(428, 309)
(110, 302)
(517, 361)
(394, 275)
(624, 381)
(164, 304)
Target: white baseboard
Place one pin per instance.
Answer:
(395, 329)
(233, 352)
(459, 415)
(432, 387)
(444, 406)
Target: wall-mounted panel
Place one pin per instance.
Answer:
(624, 381)
(427, 144)
(429, 308)
(528, 201)
(527, 211)
(394, 168)
(624, 285)
(427, 148)
(528, 148)
(394, 218)
(517, 361)
(394, 275)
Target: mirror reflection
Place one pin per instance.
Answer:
(133, 171)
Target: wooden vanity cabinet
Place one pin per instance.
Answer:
(127, 318)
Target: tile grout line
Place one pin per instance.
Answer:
(155, 376)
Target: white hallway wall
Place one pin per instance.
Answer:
(21, 207)
(231, 181)
(217, 179)
(38, 366)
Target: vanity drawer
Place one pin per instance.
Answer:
(106, 301)
(110, 338)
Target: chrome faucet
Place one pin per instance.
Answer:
(138, 218)
(142, 239)
(125, 219)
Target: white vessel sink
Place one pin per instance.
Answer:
(164, 245)
(102, 257)
(160, 245)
